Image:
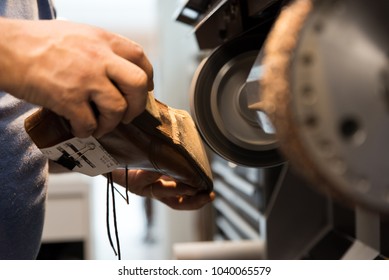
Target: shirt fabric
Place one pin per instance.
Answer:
(23, 169)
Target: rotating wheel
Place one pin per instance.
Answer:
(326, 92)
(219, 105)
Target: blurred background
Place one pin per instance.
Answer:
(263, 208)
(76, 208)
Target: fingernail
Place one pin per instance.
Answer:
(151, 85)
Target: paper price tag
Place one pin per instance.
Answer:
(83, 155)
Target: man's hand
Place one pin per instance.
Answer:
(65, 67)
(154, 185)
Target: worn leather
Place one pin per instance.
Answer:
(161, 139)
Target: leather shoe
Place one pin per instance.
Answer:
(161, 139)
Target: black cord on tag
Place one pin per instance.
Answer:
(127, 186)
(111, 188)
(114, 216)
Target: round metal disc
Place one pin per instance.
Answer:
(327, 96)
(341, 97)
(220, 108)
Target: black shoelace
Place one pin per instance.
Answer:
(111, 189)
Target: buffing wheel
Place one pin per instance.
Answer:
(325, 89)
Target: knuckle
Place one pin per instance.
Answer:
(120, 107)
(115, 108)
(141, 80)
(101, 33)
(61, 106)
(138, 51)
(89, 126)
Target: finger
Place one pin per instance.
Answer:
(189, 203)
(152, 184)
(111, 107)
(81, 118)
(138, 180)
(131, 81)
(133, 52)
(168, 188)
